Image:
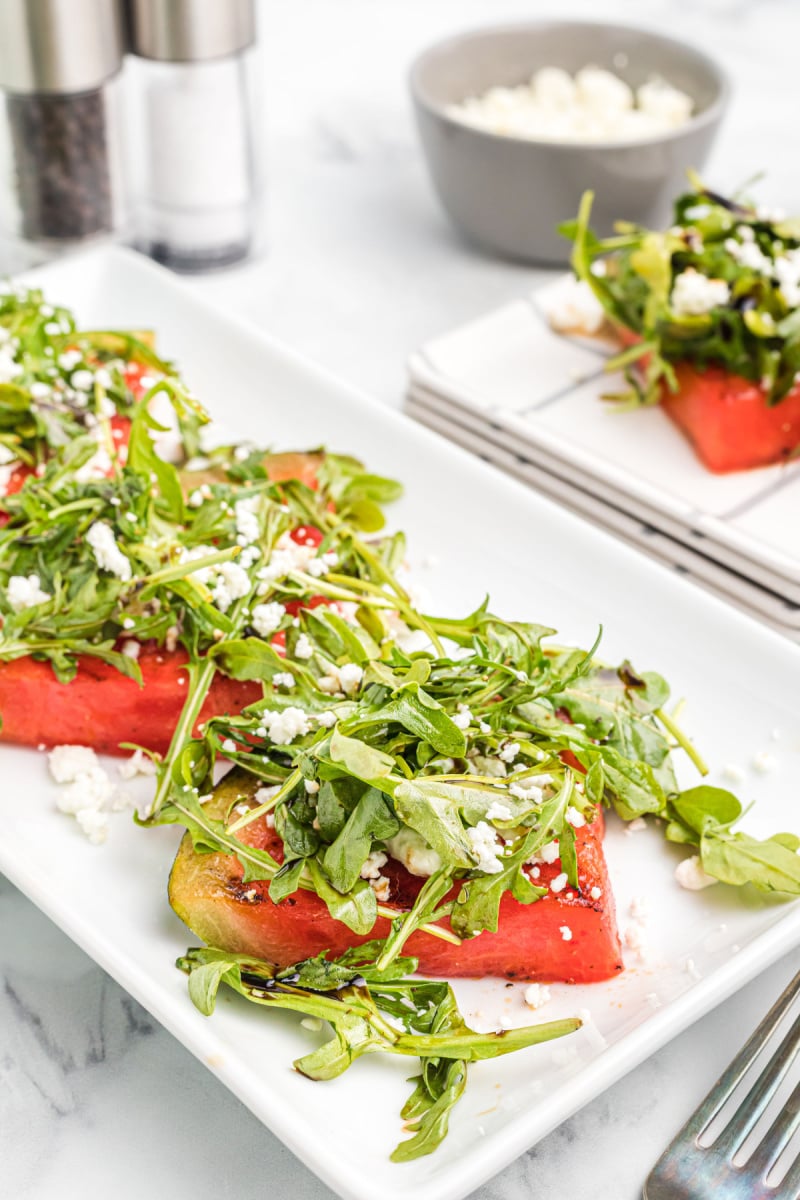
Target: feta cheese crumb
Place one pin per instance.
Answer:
(283, 679)
(508, 752)
(691, 875)
(311, 786)
(373, 864)
(486, 848)
(559, 882)
(575, 818)
(229, 746)
(283, 727)
(94, 824)
(107, 553)
(596, 893)
(232, 583)
(266, 618)
(463, 718)
(693, 294)
(139, 763)
(68, 762)
(131, 648)
(303, 647)
(23, 591)
(566, 933)
(572, 307)
(637, 825)
(537, 995)
(498, 812)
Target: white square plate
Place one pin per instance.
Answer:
(540, 563)
(510, 368)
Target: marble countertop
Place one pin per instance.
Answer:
(362, 267)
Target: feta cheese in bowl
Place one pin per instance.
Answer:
(517, 121)
(594, 106)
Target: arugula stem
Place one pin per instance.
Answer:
(432, 891)
(201, 676)
(682, 740)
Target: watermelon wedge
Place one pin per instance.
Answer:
(567, 937)
(101, 708)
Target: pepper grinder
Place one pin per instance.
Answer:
(61, 124)
(196, 165)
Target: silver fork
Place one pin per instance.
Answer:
(689, 1171)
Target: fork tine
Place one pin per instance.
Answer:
(740, 1065)
(789, 1188)
(777, 1137)
(755, 1102)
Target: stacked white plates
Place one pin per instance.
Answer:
(530, 400)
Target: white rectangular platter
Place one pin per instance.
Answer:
(541, 563)
(545, 389)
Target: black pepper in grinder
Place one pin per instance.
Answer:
(60, 126)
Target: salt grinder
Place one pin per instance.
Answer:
(196, 179)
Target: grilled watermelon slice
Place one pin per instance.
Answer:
(208, 893)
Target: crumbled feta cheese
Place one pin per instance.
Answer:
(94, 824)
(128, 623)
(559, 882)
(575, 818)
(68, 762)
(69, 359)
(694, 294)
(23, 591)
(691, 875)
(283, 727)
(572, 307)
(322, 564)
(666, 104)
(548, 854)
(486, 848)
(345, 679)
(498, 812)
(463, 717)
(566, 933)
(508, 752)
(229, 746)
(84, 381)
(528, 789)
(266, 618)
(326, 719)
(131, 648)
(595, 106)
(311, 786)
(637, 825)
(139, 763)
(537, 995)
(247, 523)
(107, 553)
(373, 864)
(232, 583)
(411, 849)
(596, 893)
(283, 679)
(484, 727)
(303, 647)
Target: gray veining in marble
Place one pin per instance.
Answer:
(362, 268)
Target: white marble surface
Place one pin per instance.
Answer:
(94, 1096)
